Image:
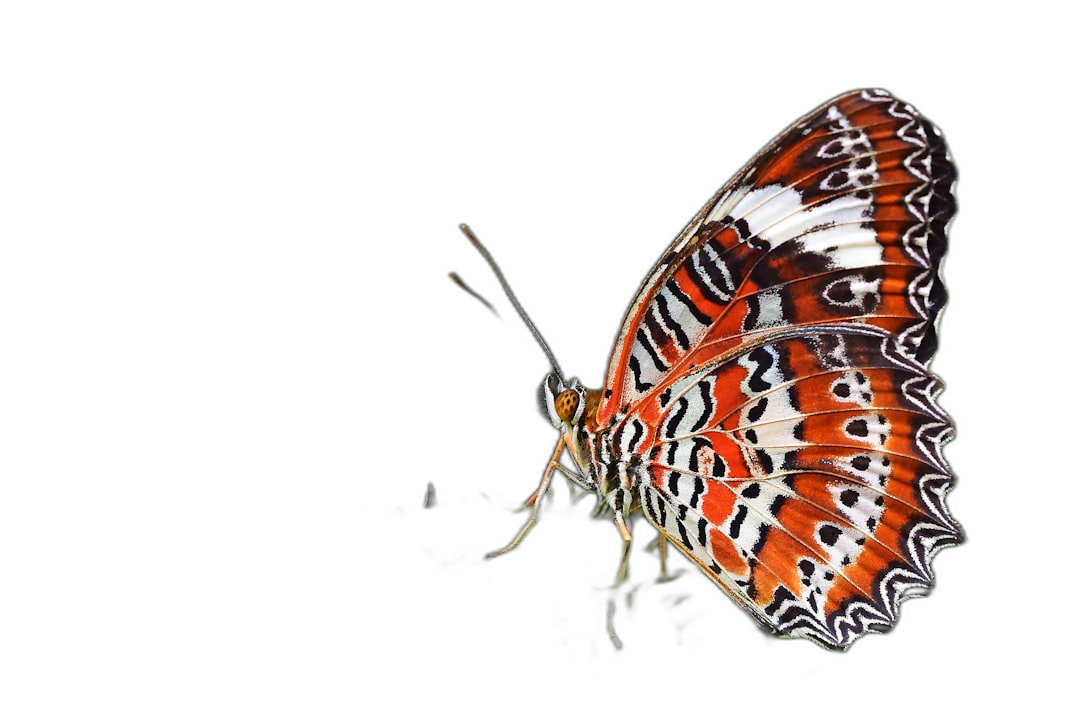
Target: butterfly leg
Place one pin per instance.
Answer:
(665, 577)
(570, 474)
(621, 576)
(534, 501)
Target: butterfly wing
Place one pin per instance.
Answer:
(777, 354)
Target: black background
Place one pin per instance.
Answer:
(578, 179)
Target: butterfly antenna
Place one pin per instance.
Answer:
(513, 300)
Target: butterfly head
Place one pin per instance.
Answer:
(564, 404)
(571, 408)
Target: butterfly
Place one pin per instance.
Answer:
(768, 405)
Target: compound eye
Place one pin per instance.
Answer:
(566, 405)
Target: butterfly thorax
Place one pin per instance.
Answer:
(599, 467)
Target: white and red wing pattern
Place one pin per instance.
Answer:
(768, 404)
(861, 186)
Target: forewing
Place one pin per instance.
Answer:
(841, 219)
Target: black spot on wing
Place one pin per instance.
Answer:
(672, 448)
(857, 428)
(757, 410)
(651, 351)
(781, 596)
(762, 360)
(753, 311)
(673, 422)
(763, 532)
(699, 489)
(829, 534)
(736, 523)
(693, 309)
(696, 445)
(705, 389)
(707, 278)
(670, 323)
(777, 504)
(635, 368)
(639, 430)
(683, 534)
